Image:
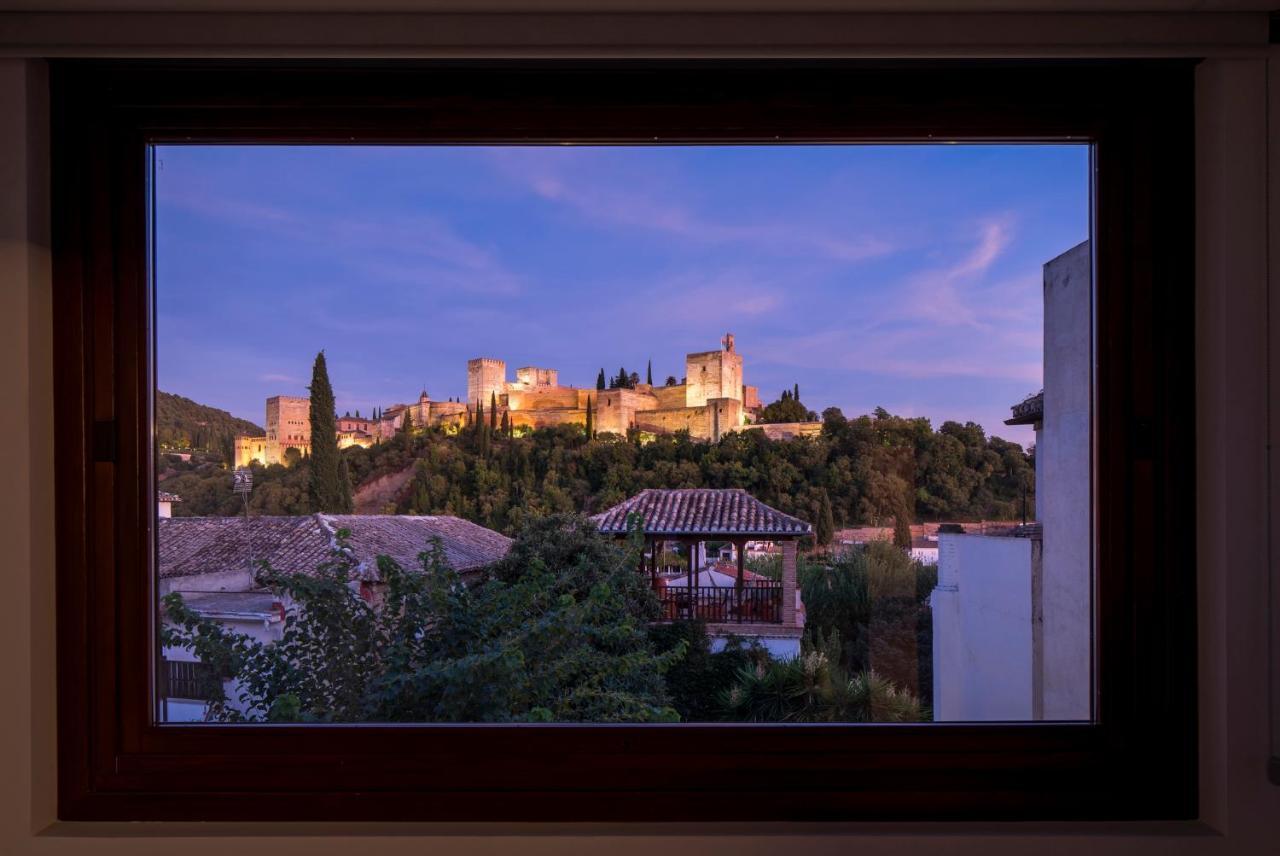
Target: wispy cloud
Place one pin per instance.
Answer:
(914, 336)
(612, 202)
(419, 249)
(946, 295)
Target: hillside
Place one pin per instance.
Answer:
(185, 424)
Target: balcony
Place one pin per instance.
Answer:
(755, 603)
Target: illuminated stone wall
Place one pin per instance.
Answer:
(485, 377)
(288, 426)
(712, 374)
(249, 449)
(532, 376)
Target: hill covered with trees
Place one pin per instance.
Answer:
(185, 424)
(877, 469)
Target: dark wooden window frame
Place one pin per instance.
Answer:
(1137, 760)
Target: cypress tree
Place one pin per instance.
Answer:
(600, 380)
(591, 423)
(648, 374)
(325, 489)
(406, 424)
(345, 476)
(506, 423)
(493, 411)
(825, 528)
(796, 393)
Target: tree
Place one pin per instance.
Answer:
(506, 423)
(326, 488)
(406, 424)
(633, 380)
(591, 423)
(824, 528)
(292, 456)
(902, 527)
(671, 380)
(493, 411)
(796, 393)
(600, 380)
(555, 632)
(648, 374)
(785, 409)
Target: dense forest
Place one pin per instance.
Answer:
(184, 424)
(877, 469)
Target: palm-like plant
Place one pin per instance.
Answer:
(813, 688)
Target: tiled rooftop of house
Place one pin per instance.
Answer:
(701, 511)
(200, 545)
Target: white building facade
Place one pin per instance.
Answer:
(1012, 615)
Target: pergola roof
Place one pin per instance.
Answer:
(702, 511)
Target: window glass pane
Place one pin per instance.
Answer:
(624, 434)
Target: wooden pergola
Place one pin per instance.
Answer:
(691, 517)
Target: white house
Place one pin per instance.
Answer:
(211, 562)
(1013, 615)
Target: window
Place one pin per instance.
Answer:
(908, 566)
(1142, 632)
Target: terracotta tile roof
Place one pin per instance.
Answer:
(201, 545)
(701, 511)
(467, 546)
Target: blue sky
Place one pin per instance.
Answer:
(907, 277)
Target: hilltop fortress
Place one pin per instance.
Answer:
(710, 401)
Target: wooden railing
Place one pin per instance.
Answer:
(183, 679)
(752, 604)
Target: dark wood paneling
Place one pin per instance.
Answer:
(1137, 760)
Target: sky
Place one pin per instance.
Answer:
(903, 277)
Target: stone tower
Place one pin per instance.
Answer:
(713, 374)
(485, 376)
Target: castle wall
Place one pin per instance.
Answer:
(712, 374)
(354, 438)
(485, 377)
(546, 398)
(249, 449)
(616, 409)
(546, 418)
(532, 376)
(669, 421)
(785, 430)
(669, 397)
(723, 415)
(440, 410)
